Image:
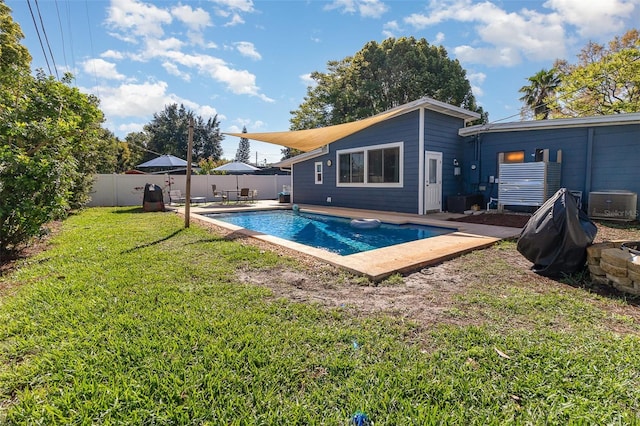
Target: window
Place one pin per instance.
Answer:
(377, 165)
(352, 167)
(511, 157)
(318, 173)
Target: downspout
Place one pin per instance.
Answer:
(421, 147)
(587, 172)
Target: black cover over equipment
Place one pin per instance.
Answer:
(153, 200)
(556, 237)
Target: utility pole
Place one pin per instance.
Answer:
(187, 206)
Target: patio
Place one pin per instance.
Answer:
(380, 263)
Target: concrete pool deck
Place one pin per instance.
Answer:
(379, 263)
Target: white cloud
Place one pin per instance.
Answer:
(127, 128)
(240, 82)
(245, 6)
(206, 112)
(252, 126)
(307, 80)
(158, 47)
(102, 69)
(390, 29)
(136, 18)
(233, 9)
(173, 69)
(112, 54)
(438, 39)
(365, 8)
(134, 100)
(476, 79)
(236, 19)
(196, 19)
(247, 49)
(594, 18)
(493, 56)
(504, 37)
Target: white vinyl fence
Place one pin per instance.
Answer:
(128, 190)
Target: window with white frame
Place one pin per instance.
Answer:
(318, 173)
(375, 165)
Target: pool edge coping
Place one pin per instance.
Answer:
(380, 263)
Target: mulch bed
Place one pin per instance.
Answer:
(497, 219)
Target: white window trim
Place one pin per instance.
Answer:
(365, 150)
(315, 173)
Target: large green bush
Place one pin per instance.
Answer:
(51, 142)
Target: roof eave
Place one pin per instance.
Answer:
(289, 162)
(557, 123)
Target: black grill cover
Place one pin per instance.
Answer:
(153, 200)
(152, 193)
(556, 237)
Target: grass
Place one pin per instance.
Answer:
(130, 319)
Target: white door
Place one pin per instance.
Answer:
(433, 181)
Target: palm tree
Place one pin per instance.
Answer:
(538, 93)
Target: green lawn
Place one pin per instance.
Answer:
(130, 319)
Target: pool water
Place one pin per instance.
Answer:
(331, 233)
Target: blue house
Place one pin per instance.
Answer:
(422, 157)
(599, 154)
(401, 160)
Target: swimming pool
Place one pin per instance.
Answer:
(331, 233)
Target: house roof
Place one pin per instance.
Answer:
(288, 162)
(557, 123)
(310, 139)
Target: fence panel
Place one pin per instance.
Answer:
(111, 190)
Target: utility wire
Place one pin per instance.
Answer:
(64, 53)
(73, 58)
(44, 53)
(561, 97)
(95, 73)
(47, 40)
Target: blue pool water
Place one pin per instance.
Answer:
(331, 233)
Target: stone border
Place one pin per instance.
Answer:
(609, 264)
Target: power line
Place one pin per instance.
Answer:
(95, 73)
(64, 53)
(47, 40)
(73, 59)
(44, 53)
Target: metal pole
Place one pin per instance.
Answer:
(187, 206)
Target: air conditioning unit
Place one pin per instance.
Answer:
(613, 205)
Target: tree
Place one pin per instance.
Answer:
(244, 149)
(539, 94)
(50, 142)
(606, 79)
(131, 151)
(380, 77)
(168, 134)
(289, 152)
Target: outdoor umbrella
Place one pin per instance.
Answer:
(166, 160)
(236, 168)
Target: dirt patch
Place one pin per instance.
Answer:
(425, 297)
(9, 261)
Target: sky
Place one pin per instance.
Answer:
(248, 62)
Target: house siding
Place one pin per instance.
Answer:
(399, 129)
(441, 135)
(613, 163)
